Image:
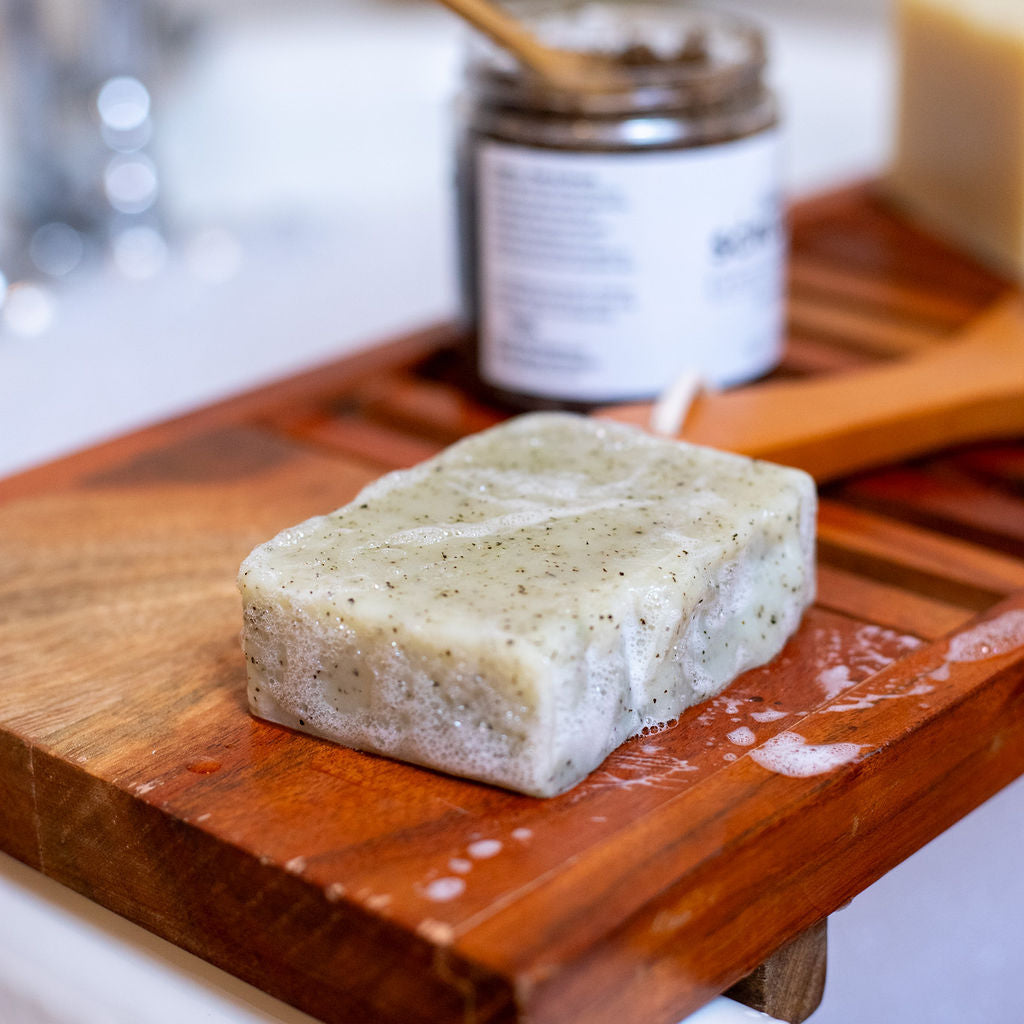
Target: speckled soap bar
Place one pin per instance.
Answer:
(515, 608)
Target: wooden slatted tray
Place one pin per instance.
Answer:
(368, 891)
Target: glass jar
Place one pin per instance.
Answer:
(615, 238)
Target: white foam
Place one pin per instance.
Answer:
(868, 700)
(769, 715)
(855, 704)
(790, 754)
(642, 768)
(742, 737)
(844, 659)
(441, 890)
(834, 680)
(483, 849)
(439, 932)
(1001, 635)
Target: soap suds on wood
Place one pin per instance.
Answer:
(790, 754)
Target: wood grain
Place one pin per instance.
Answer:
(364, 890)
(941, 498)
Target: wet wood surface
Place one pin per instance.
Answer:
(364, 890)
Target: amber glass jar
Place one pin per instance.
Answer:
(613, 239)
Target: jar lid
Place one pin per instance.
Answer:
(667, 56)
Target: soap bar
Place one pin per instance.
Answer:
(958, 165)
(516, 607)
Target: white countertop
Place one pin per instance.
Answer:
(310, 150)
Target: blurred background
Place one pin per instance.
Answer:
(197, 197)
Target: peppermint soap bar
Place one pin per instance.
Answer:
(516, 607)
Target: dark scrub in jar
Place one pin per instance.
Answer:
(616, 238)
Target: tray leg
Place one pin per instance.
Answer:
(790, 983)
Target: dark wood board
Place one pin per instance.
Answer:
(364, 890)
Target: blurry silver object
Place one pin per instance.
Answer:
(82, 80)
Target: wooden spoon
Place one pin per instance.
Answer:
(967, 389)
(566, 69)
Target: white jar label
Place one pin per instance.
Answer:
(605, 276)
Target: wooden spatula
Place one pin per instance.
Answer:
(565, 69)
(967, 389)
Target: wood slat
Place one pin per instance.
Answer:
(806, 356)
(857, 232)
(999, 465)
(941, 567)
(943, 501)
(944, 311)
(426, 406)
(380, 444)
(887, 604)
(858, 329)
